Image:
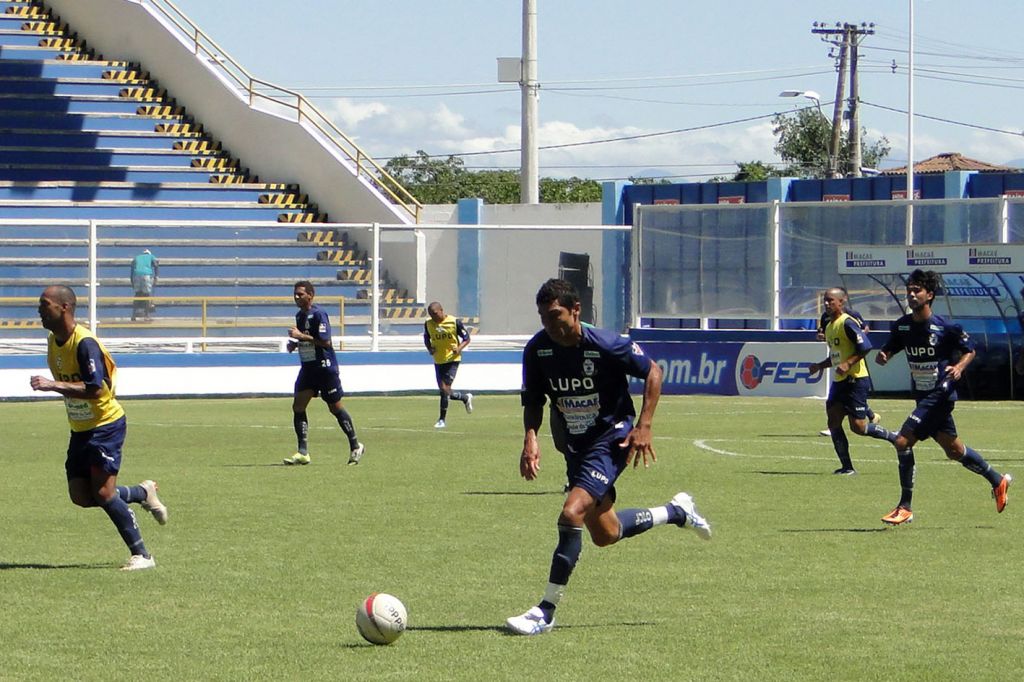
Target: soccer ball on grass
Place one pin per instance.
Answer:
(381, 618)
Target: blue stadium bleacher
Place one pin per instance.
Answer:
(83, 138)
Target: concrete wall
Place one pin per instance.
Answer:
(267, 139)
(512, 263)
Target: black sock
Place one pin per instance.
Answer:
(301, 425)
(907, 475)
(444, 405)
(457, 395)
(973, 461)
(876, 431)
(124, 520)
(345, 422)
(842, 446)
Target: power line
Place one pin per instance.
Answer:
(945, 120)
(623, 138)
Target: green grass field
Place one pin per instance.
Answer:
(261, 566)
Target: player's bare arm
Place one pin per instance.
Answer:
(640, 439)
(300, 335)
(954, 372)
(844, 366)
(529, 460)
(68, 389)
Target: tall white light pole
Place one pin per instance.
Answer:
(910, 129)
(529, 183)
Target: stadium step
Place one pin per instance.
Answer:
(105, 141)
(153, 210)
(129, 191)
(84, 137)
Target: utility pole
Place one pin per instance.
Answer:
(848, 38)
(529, 182)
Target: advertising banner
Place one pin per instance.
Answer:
(782, 370)
(749, 369)
(888, 260)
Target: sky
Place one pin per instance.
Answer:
(665, 88)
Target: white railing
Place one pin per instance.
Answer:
(256, 89)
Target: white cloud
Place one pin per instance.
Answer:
(349, 115)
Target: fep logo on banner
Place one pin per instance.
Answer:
(780, 369)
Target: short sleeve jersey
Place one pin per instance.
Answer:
(315, 323)
(930, 347)
(845, 338)
(445, 338)
(588, 383)
(83, 358)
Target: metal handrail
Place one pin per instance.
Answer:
(366, 167)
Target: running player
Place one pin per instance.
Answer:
(848, 395)
(311, 336)
(826, 317)
(86, 375)
(932, 345)
(445, 338)
(585, 372)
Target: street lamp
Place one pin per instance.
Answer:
(809, 94)
(816, 98)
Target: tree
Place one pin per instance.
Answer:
(753, 171)
(569, 190)
(803, 142)
(445, 181)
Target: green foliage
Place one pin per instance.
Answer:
(804, 138)
(755, 171)
(261, 566)
(445, 181)
(569, 191)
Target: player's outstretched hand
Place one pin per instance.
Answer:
(640, 447)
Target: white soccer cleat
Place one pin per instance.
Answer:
(139, 563)
(825, 432)
(530, 623)
(357, 454)
(152, 503)
(440, 424)
(693, 518)
(469, 403)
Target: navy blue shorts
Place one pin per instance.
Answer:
(933, 414)
(445, 372)
(852, 394)
(596, 468)
(324, 383)
(99, 448)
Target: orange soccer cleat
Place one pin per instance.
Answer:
(1000, 493)
(898, 516)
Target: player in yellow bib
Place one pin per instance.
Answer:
(848, 345)
(85, 374)
(445, 338)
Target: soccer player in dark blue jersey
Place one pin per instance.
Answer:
(938, 351)
(585, 372)
(311, 336)
(848, 347)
